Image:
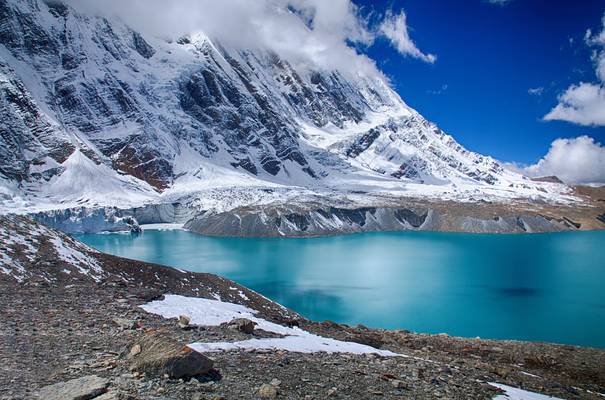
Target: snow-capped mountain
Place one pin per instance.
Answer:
(95, 113)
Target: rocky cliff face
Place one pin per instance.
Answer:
(320, 221)
(135, 103)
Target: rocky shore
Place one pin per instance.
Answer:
(73, 328)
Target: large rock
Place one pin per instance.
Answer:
(87, 387)
(160, 355)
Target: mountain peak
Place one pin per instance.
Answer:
(143, 108)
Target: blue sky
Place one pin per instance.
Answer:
(488, 57)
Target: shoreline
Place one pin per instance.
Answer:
(330, 218)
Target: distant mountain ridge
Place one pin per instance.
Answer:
(150, 120)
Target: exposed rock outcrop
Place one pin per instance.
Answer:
(301, 221)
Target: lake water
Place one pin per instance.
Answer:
(545, 287)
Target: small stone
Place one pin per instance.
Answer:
(125, 323)
(267, 391)
(184, 321)
(86, 387)
(135, 350)
(243, 325)
(397, 384)
(275, 382)
(332, 392)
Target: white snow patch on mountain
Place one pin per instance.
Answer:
(71, 253)
(207, 312)
(84, 180)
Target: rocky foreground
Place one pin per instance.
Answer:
(72, 328)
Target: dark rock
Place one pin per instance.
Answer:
(369, 339)
(243, 325)
(551, 179)
(141, 46)
(161, 356)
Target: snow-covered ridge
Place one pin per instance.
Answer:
(25, 246)
(96, 114)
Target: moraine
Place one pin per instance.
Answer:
(540, 287)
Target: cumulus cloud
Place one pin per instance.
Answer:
(394, 27)
(584, 103)
(575, 161)
(324, 34)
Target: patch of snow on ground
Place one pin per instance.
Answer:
(85, 264)
(512, 393)
(11, 267)
(8, 264)
(528, 374)
(213, 313)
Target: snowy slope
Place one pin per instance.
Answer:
(97, 114)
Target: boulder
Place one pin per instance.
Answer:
(161, 356)
(84, 388)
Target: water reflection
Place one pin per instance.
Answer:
(538, 287)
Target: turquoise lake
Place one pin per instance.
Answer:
(541, 287)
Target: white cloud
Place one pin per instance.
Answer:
(500, 2)
(584, 103)
(319, 33)
(394, 27)
(575, 161)
(538, 91)
(442, 89)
